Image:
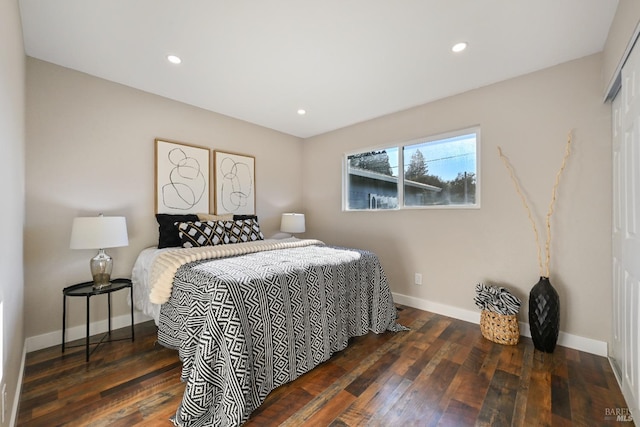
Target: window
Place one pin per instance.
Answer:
(372, 180)
(440, 171)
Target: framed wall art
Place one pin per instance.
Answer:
(182, 178)
(234, 183)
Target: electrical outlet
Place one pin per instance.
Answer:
(418, 279)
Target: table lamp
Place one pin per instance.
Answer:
(292, 223)
(99, 232)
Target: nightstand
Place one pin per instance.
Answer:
(86, 290)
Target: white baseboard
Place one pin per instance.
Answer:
(625, 387)
(16, 397)
(54, 338)
(564, 339)
(567, 340)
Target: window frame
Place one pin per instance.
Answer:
(400, 147)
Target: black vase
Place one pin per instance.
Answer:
(544, 315)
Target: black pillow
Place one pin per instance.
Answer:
(243, 217)
(168, 231)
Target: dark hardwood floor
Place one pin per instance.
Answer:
(441, 373)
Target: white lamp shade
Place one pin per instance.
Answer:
(292, 223)
(99, 232)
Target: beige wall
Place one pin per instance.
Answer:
(529, 117)
(618, 41)
(12, 142)
(90, 149)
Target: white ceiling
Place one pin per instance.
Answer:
(344, 61)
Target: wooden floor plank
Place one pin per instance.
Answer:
(328, 413)
(458, 414)
(440, 373)
(560, 400)
(522, 396)
(539, 401)
(497, 407)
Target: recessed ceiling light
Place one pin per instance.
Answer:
(174, 59)
(302, 111)
(459, 47)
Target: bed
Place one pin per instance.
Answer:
(250, 316)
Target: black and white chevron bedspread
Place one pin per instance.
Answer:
(248, 324)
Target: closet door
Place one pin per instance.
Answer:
(626, 232)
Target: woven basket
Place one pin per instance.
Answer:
(500, 328)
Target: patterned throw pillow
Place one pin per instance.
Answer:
(246, 230)
(202, 233)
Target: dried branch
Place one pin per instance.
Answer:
(543, 271)
(524, 202)
(553, 200)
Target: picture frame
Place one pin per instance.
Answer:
(182, 178)
(234, 183)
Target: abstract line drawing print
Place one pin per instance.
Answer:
(187, 183)
(234, 184)
(182, 178)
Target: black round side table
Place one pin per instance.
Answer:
(86, 290)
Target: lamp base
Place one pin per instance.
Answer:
(101, 266)
(101, 281)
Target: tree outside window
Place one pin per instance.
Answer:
(448, 165)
